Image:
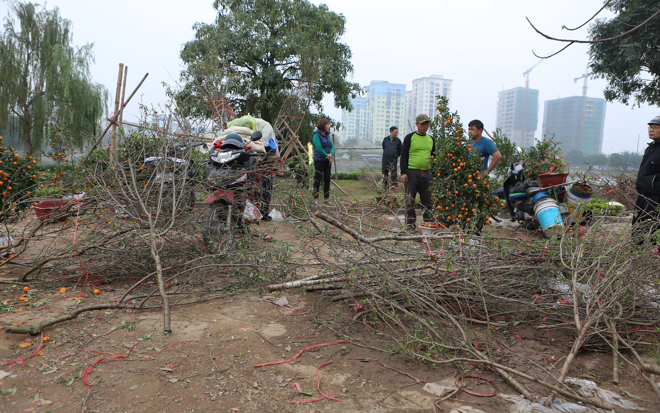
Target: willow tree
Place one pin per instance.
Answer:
(44, 78)
(266, 48)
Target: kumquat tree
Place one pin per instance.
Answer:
(18, 181)
(462, 196)
(545, 156)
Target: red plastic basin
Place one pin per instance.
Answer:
(550, 179)
(45, 208)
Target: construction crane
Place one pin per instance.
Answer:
(585, 76)
(526, 73)
(524, 124)
(583, 109)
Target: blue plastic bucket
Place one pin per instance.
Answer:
(539, 196)
(547, 212)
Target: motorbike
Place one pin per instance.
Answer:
(172, 178)
(536, 205)
(232, 174)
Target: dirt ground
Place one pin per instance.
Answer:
(209, 361)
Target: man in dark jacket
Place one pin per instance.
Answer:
(646, 219)
(415, 171)
(391, 152)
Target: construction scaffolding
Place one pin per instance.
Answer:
(290, 119)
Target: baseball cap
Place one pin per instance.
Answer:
(655, 121)
(422, 118)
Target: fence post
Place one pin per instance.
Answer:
(335, 160)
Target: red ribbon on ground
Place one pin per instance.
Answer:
(113, 356)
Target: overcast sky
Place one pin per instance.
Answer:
(483, 45)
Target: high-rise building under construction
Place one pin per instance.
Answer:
(518, 115)
(578, 122)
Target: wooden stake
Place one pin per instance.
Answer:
(123, 98)
(113, 139)
(112, 120)
(167, 126)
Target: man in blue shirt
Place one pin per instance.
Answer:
(484, 146)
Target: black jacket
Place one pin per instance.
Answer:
(391, 149)
(648, 177)
(405, 152)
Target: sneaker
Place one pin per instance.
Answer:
(266, 218)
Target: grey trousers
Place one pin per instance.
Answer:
(418, 182)
(389, 174)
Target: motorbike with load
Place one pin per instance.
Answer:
(233, 176)
(545, 205)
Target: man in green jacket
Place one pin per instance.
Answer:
(415, 171)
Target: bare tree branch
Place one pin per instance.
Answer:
(554, 54)
(609, 39)
(592, 17)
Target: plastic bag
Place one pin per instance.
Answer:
(266, 130)
(77, 196)
(466, 409)
(120, 211)
(589, 390)
(441, 388)
(246, 121)
(6, 240)
(276, 215)
(251, 212)
(522, 405)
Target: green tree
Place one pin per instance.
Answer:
(543, 157)
(596, 159)
(624, 160)
(631, 64)
(266, 48)
(510, 154)
(576, 157)
(45, 79)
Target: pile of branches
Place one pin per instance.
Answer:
(618, 186)
(140, 225)
(442, 290)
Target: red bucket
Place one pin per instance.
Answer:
(45, 208)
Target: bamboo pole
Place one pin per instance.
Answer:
(123, 97)
(337, 185)
(113, 120)
(113, 139)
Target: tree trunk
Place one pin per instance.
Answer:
(27, 134)
(161, 285)
(265, 113)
